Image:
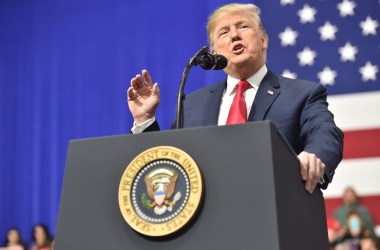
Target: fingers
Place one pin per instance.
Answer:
(304, 165)
(131, 93)
(147, 78)
(142, 85)
(312, 170)
(142, 80)
(137, 82)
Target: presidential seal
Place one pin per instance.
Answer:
(160, 191)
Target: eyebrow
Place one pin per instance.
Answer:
(235, 24)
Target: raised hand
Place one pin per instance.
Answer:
(143, 97)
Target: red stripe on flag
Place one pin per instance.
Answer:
(371, 202)
(361, 143)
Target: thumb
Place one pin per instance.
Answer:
(155, 89)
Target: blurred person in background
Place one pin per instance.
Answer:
(41, 238)
(13, 240)
(369, 244)
(351, 203)
(334, 231)
(354, 232)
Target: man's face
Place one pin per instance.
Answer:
(236, 37)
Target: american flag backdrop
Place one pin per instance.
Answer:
(336, 43)
(65, 67)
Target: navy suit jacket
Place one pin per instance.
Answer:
(298, 108)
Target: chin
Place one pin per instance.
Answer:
(239, 63)
(240, 59)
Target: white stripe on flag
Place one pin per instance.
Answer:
(356, 111)
(362, 174)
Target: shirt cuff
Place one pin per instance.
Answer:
(138, 129)
(322, 180)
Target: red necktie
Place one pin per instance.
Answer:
(238, 110)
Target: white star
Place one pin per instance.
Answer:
(369, 26)
(307, 14)
(288, 37)
(346, 8)
(369, 71)
(347, 53)
(328, 31)
(285, 2)
(327, 76)
(306, 56)
(288, 74)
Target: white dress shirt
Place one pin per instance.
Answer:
(231, 90)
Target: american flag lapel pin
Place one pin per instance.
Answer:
(270, 92)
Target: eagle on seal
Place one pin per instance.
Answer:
(160, 186)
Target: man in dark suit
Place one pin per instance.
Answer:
(298, 108)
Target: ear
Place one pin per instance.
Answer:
(264, 42)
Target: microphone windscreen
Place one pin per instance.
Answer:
(206, 61)
(220, 62)
(209, 61)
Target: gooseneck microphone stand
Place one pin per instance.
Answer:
(181, 95)
(206, 61)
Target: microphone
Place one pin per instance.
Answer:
(211, 61)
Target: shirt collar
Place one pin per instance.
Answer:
(254, 80)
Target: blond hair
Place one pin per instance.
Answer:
(252, 9)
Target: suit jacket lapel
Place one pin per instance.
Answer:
(268, 91)
(213, 101)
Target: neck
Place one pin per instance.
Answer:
(242, 72)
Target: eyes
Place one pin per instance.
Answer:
(224, 31)
(243, 26)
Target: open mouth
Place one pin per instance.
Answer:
(238, 48)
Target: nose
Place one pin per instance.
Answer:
(234, 34)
